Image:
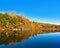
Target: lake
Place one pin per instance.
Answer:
(50, 40)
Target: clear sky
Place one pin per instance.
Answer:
(47, 11)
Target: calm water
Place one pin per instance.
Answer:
(51, 40)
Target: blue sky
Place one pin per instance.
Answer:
(47, 11)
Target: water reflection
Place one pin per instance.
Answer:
(51, 40)
(13, 36)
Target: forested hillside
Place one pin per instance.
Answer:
(14, 28)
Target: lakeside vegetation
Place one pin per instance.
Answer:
(14, 28)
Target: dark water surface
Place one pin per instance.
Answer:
(51, 40)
